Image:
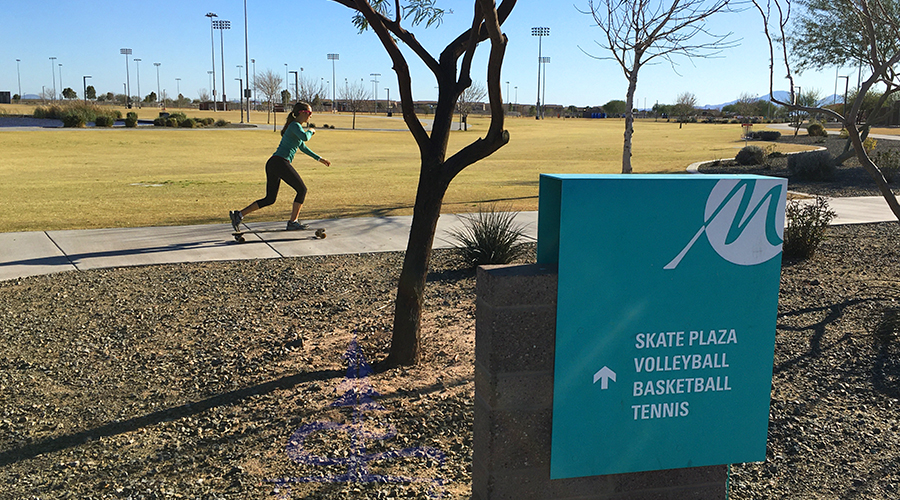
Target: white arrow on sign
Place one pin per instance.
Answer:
(604, 376)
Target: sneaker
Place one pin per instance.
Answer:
(295, 225)
(236, 219)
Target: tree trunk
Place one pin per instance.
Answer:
(629, 123)
(410, 300)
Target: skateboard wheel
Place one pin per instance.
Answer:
(320, 233)
(240, 239)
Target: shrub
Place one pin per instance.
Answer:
(888, 162)
(812, 166)
(869, 144)
(131, 119)
(188, 123)
(816, 129)
(222, 123)
(178, 116)
(75, 117)
(171, 121)
(104, 121)
(750, 155)
(766, 135)
(159, 122)
(208, 121)
(807, 224)
(489, 237)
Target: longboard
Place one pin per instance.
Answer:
(239, 235)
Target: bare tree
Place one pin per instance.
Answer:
(467, 100)
(639, 31)
(746, 105)
(355, 96)
(875, 27)
(203, 95)
(685, 107)
(452, 71)
(313, 91)
(268, 83)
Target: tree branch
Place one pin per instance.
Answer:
(496, 137)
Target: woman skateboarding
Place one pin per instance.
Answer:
(279, 168)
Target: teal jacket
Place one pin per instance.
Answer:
(295, 138)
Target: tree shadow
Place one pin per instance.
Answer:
(189, 409)
(389, 211)
(816, 347)
(886, 338)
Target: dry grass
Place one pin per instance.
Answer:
(88, 178)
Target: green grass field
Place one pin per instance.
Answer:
(95, 178)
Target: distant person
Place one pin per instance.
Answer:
(279, 168)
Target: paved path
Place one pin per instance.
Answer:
(45, 252)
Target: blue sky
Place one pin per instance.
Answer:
(86, 39)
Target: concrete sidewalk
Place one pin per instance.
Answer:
(45, 252)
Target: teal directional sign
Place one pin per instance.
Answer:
(668, 293)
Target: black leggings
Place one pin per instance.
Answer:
(278, 169)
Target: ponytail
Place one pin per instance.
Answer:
(292, 116)
(290, 119)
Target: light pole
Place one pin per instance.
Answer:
(333, 58)
(246, 63)
(212, 42)
(222, 26)
(846, 87)
(53, 72)
(544, 61)
(375, 79)
(539, 32)
(61, 88)
(508, 103)
(177, 87)
(137, 64)
(19, 78)
(241, 96)
(296, 94)
(387, 102)
(84, 87)
(158, 92)
(253, 86)
(241, 84)
(127, 52)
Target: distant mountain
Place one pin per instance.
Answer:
(781, 95)
(31, 96)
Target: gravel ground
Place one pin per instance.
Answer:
(230, 380)
(851, 179)
(188, 381)
(25, 121)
